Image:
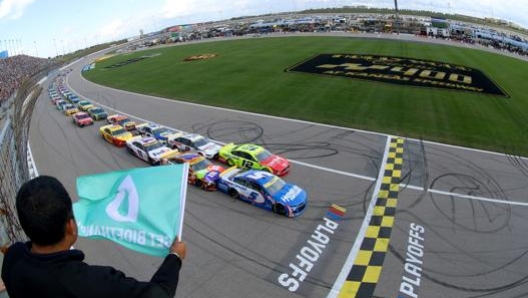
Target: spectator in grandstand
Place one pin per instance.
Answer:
(14, 70)
(47, 267)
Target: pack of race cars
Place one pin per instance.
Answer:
(253, 175)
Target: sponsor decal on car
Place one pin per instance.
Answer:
(402, 71)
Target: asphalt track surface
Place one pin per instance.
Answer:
(472, 204)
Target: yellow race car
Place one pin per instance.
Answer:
(85, 105)
(69, 109)
(115, 134)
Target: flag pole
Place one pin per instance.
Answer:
(183, 195)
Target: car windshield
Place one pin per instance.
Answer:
(200, 142)
(160, 130)
(97, 111)
(153, 146)
(263, 155)
(118, 132)
(84, 103)
(201, 165)
(69, 107)
(82, 116)
(274, 185)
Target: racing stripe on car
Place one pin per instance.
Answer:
(366, 270)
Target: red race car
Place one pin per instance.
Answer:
(82, 119)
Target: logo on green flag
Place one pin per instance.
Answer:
(141, 209)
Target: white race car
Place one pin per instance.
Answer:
(194, 142)
(147, 148)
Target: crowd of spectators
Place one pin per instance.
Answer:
(13, 71)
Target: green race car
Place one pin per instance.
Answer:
(255, 157)
(97, 113)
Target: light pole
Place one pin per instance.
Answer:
(397, 23)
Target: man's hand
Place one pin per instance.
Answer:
(178, 247)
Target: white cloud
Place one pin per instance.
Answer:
(173, 9)
(13, 9)
(112, 30)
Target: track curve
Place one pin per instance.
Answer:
(236, 250)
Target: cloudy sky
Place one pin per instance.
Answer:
(49, 27)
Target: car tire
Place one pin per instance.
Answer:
(152, 162)
(230, 162)
(233, 193)
(198, 183)
(130, 150)
(279, 209)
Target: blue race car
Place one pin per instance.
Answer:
(156, 131)
(264, 190)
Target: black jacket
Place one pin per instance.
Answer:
(64, 274)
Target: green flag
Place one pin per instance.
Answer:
(141, 209)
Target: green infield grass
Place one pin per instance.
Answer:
(250, 75)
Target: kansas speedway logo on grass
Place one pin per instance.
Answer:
(400, 70)
(200, 57)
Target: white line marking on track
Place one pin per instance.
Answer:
(446, 193)
(418, 188)
(300, 121)
(462, 196)
(341, 278)
(222, 143)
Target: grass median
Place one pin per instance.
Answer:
(250, 75)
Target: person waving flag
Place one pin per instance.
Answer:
(141, 209)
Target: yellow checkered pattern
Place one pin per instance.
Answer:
(366, 271)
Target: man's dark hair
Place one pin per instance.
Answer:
(44, 207)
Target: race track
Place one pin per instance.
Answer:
(471, 204)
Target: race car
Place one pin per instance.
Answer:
(97, 113)
(69, 109)
(194, 142)
(82, 119)
(60, 104)
(147, 148)
(85, 105)
(156, 131)
(255, 157)
(202, 172)
(55, 99)
(115, 134)
(73, 98)
(121, 120)
(264, 190)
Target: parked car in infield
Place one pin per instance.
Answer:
(264, 190)
(85, 105)
(115, 134)
(82, 119)
(147, 148)
(156, 131)
(255, 157)
(69, 109)
(121, 120)
(202, 172)
(97, 113)
(195, 142)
